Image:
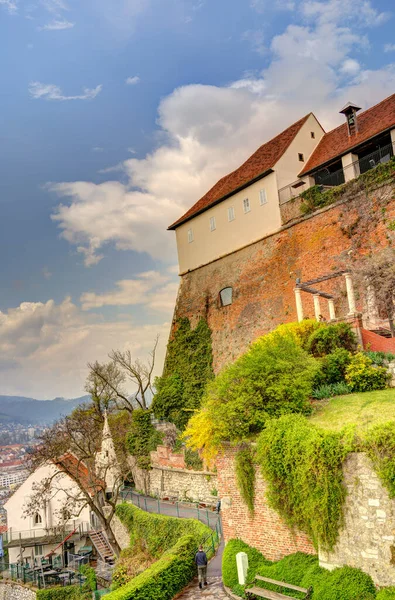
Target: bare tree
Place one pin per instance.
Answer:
(106, 381)
(376, 275)
(71, 445)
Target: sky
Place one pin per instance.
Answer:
(115, 117)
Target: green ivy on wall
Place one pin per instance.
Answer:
(142, 437)
(188, 367)
(245, 475)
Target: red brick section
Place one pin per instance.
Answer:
(262, 160)
(263, 274)
(265, 530)
(371, 122)
(164, 457)
(377, 343)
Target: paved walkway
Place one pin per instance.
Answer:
(214, 589)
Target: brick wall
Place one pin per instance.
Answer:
(163, 456)
(377, 343)
(264, 530)
(263, 274)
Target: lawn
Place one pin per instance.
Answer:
(363, 409)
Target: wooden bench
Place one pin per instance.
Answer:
(269, 595)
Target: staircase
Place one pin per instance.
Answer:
(381, 331)
(102, 545)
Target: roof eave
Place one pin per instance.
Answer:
(225, 197)
(313, 169)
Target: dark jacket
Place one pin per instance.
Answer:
(201, 559)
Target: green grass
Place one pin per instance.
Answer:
(361, 409)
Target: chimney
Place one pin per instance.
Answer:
(350, 112)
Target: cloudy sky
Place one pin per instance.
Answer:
(114, 118)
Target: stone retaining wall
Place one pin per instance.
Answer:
(10, 590)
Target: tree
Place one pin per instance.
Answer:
(376, 275)
(106, 381)
(72, 445)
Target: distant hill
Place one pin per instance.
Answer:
(17, 409)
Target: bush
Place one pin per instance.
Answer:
(245, 475)
(380, 358)
(91, 579)
(229, 570)
(274, 377)
(301, 331)
(333, 367)
(193, 460)
(380, 447)
(303, 467)
(293, 569)
(345, 583)
(165, 578)
(386, 594)
(330, 390)
(328, 338)
(362, 376)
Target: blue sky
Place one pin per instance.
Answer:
(116, 117)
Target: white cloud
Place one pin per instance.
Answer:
(210, 130)
(132, 80)
(97, 149)
(44, 347)
(389, 48)
(57, 25)
(49, 91)
(54, 6)
(10, 6)
(256, 39)
(46, 273)
(151, 288)
(131, 150)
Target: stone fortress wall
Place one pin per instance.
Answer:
(366, 540)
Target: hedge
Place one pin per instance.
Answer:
(71, 592)
(165, 578)
(229, 571)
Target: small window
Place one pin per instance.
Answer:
(213, 226)
(190, 236)
(246, 205)
(226, 296)
(231, 213)
(301, 157)
(38, 550)
(312, 134)
(262, 197)
(37, 520)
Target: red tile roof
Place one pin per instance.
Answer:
(71, 465)
(261, 162)
(337, 142)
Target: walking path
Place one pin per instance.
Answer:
(214, 589)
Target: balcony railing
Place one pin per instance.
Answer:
(351, 171)
(41, 533)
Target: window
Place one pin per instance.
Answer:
(246, 205)
(190, 236)
(301, 157)
(231, 213)
(312, 134)
(262, 197)
(226, 296)
(213, 226)
(38, 550)
(37, 520)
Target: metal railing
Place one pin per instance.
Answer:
(41, 532)
(340, 176)
(40, 576)
(174, 509)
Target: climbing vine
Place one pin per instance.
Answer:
(142, 437)
(303, 467)
(380, 446)
(245, 475)
(188, 368)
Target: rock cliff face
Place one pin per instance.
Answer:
(263, 274)
(13, 591)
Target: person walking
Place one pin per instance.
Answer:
(218, 507)
(201, 563)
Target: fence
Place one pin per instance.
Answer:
(39, 577)
(172, 509)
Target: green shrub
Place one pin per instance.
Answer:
(380, 358)
(327, 339)
(142, 437)
(315, 198)
(293, 569)
(345, 583)
(330, 390)
(159, 532)
(229, 570)
(274, 377)
(303, 467)
(91, 579)
(245, 475)
(380, 447)
(188, 368)
(300, 331)
(387, 593)
(193, 460)
(333, 367)
(362, 376)
(165, 578)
